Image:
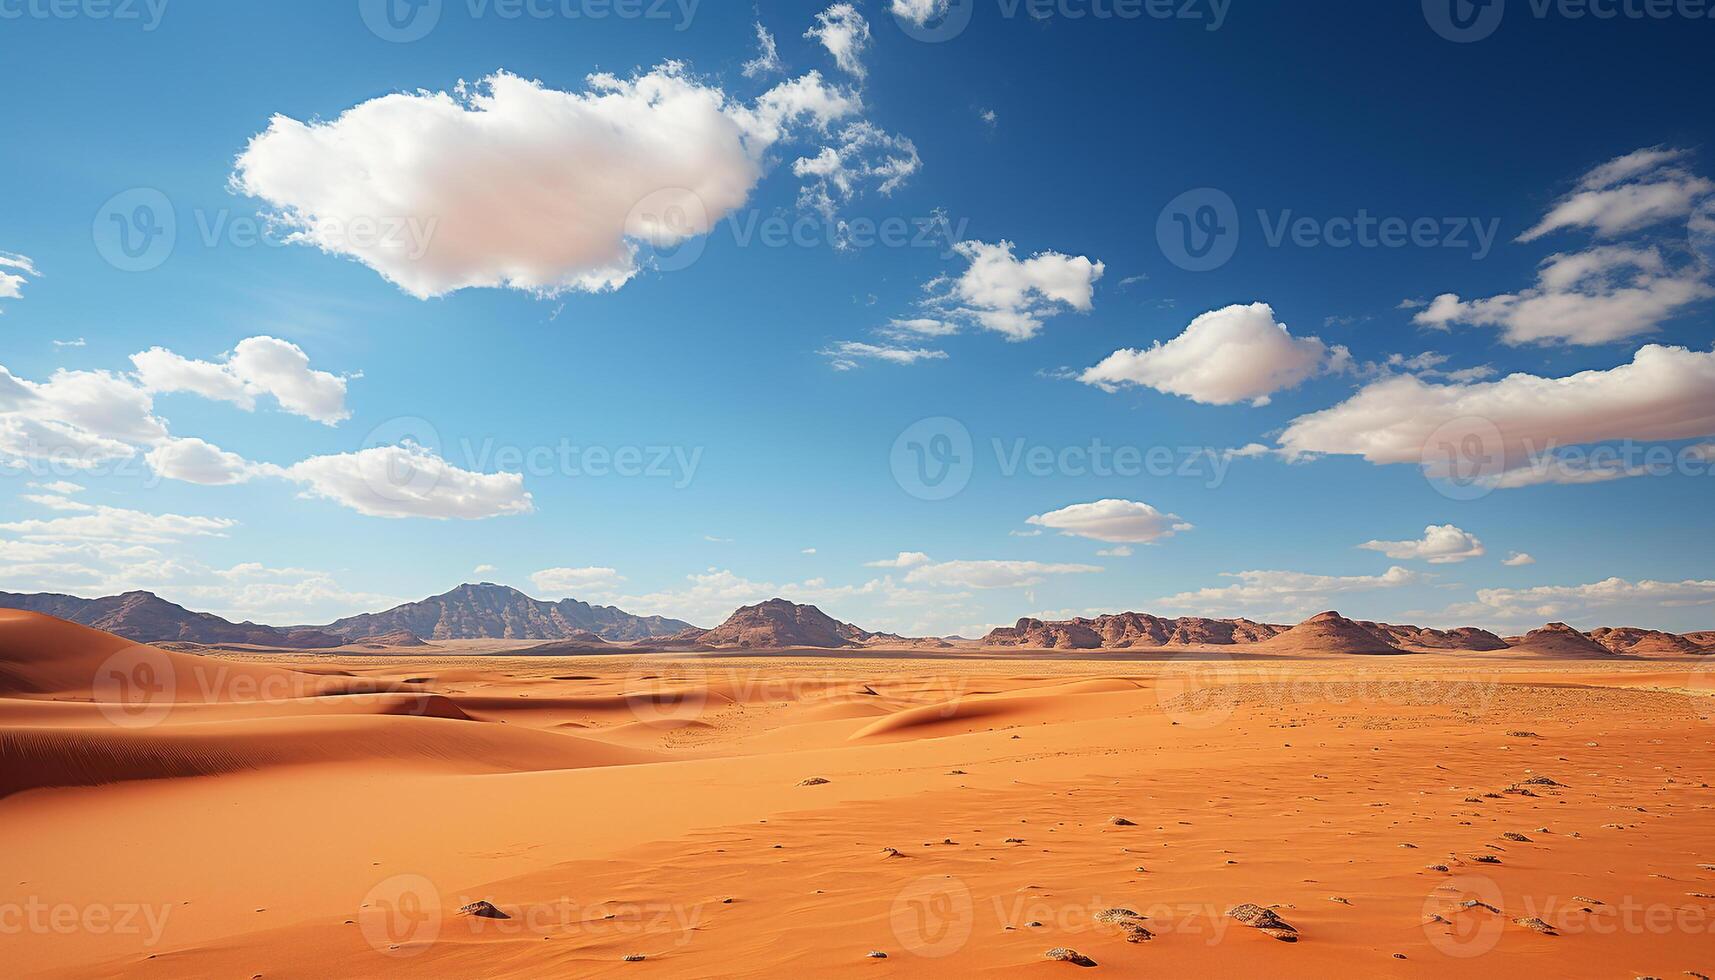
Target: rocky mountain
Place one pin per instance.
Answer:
(144, 617)
(1641, 642)
(1559, 641)
(1330, 632)
(1129, 630)
(775, 624)
(489, 611)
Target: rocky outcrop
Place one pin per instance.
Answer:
(1128, 630)
(778, 624)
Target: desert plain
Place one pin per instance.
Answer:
(867, 812)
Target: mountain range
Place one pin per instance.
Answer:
(489, 611)
(499, 612)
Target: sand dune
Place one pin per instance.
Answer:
(787, 815)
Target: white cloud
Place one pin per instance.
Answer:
(1033, 533)
(568, 581)
(919, 12)
(482, 570)
(1130, 521)
(196, 461)
(1000, 292)
(906, 559)
(1234, 354)
(808, 551)
(988, 116)
(75, 418)
(1441, 544)
(767, 60)
(1596, 296)
(1626, 601)
(1117, 551)
(116, 525)
(844, 355)
(60, 487)
(74, 342)
(844, 32)
(991, 574)
(1626, 194)
(1665, 393)
(903, 328)
(256, 366)
(22, 270)
(512, 183)
(409, 481)
(1518, 559)
(54, 502)
(861, 153)
(1279, 593)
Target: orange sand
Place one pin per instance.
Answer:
(311, 817)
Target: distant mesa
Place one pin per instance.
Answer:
(1641, 642)
(1127, 630)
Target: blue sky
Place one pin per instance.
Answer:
(668, 337)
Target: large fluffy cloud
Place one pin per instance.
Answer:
(512, 183)
(256, 366)
(1234, 354)
(1665, 393)
(1596, 296)
(1441, 544)
(999, 291)
(1114, 521)
(1627, 193)
(192, 460)
(409, 481)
